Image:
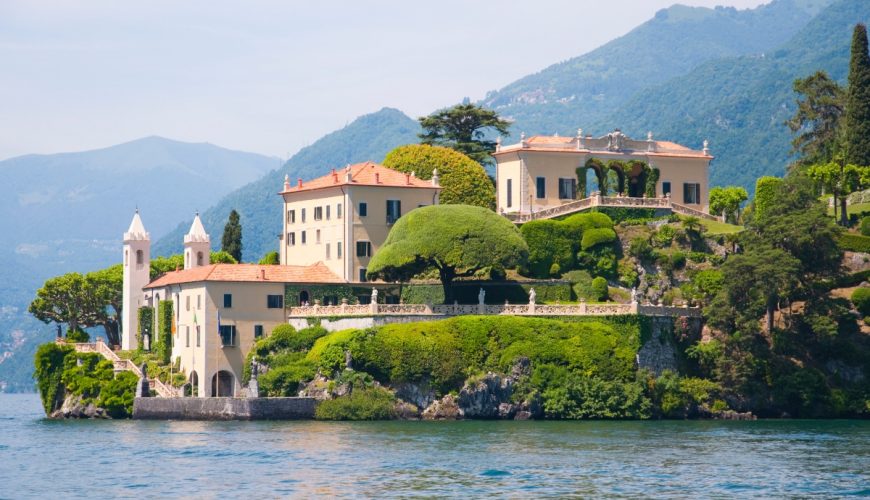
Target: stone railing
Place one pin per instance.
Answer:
(100, 347)
(580, 309)
(607, 201)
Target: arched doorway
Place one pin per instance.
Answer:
(222, 385)
(304, 297)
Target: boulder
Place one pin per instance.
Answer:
(74, 407)
(420, 395)
(445, 408)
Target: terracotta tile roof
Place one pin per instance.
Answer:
(362, 174)
(315, 273)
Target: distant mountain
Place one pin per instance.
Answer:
(369, 137)
(585, 90)
(740, 103)
(66, 212)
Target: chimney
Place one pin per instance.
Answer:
(334, 176)
(348, 176)
(286, 183)
(263, 274)
(299, 182)
(407, 179)
(377, 178)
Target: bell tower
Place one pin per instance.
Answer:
(137, 270)
(197, 246)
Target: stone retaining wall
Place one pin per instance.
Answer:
(223, 408)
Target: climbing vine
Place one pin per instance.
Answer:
(146, 324)
(163, 344)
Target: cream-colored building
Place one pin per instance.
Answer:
(341, 219)
(541, 172)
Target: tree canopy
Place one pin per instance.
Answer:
(456, 240)
(817, 119)
(857, 119)
(463, 181)
(464, 128)
(839, 180)
(231, 242)
(727, 200)
(270, 259)
(74, 299)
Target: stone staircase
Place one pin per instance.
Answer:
(100, 347)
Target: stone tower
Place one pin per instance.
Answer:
(197, 247)
(137, 269)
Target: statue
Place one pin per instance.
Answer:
(532, 296)
(481, 296)
(374, 295)
(253, 384)
(255, 368)
(146, 342)
(348, 360)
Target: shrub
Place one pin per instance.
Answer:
(627, 273)
(550, 242)
(865, 226)
(678, 260)
(765, 192)
(861, 299)
(372, 403)
(555, 270)
(162, 345)
(641, 249)
(116, 396)
(581, 284)
(854, 242)
(581, 396)
(664, 236)
(597, 236)
(285, 379)
(599, 288)
(697, 257)
(48, 370)
(78, 336)
(270, 259)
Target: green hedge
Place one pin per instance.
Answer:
(465, 292)
(145, 324)
(597, 236)
(553, 244)
(162, 345)
(861, 299)
(372, 403)
(765, 192)
(617, 214)
(854, 242)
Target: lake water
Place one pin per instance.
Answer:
(99, 459)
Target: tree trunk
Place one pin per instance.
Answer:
(770, 310)
(446, 276)
(112, 337)
(844, 216)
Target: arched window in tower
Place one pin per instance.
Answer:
(187, 259)
(140, 258)
(126, 258)
(198, 258)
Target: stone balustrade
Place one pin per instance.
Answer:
(607, 201)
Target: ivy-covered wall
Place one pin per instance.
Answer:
(163, 345)
(145, 324)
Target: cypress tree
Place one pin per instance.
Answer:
(231, 242)
(858, 101)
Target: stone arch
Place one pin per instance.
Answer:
(600, 170)
(304, 297)
(618, 168)
(223, 385)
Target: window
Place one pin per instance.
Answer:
(228, 335)
(338, 249)
(228, 300)
(291, 216)
(187, 336)
(317, 236)
(363, 209)
(274, 301)
(363, 248)
(303, 215)
(362, 275)
(303, 237)
(327, 212)
(327, 251)
(666, 187)
(394, 211)
(691, 193)
(197, 336)
(338, 211)
(540, 187)
(258, 331)
(567, 189)
(291, 239)
(318, 213)
(199, 258)
(199, 302)
(187, 303)
(510, 193)
(140, 258)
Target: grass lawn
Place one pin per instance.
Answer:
(714, 227)
(857, 208)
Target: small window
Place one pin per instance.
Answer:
(303, 215)
(228, 300)
(394, 211)
(258, 331)
(363, 209)
(187, 303)
(199, 301)
(338, 211)
(303, 237)
(567, 189)
(274, 301)
(666, 187)
(187, 336)
(317, 236)
(327, 212)
(291, 239)
(362, 274)
(318, 213)
(510, 193)
(199, 258)
(363, 248)
(228, 335)
(540, 187)
(197, 336)
(691, 193)
(140, 258)
(291, 216)
(338, 249)
(327, 251)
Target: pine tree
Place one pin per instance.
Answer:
(231, 242)
(857, 133)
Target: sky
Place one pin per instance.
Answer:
(272, 76)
